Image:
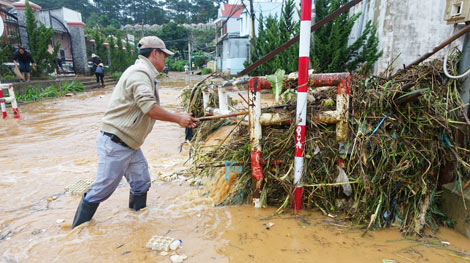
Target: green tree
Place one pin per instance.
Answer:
(100, 50)
(203, 39)
(121, 55)
(271, 34)
(203, 11)
(5, 54)
(331, 52)
(175, 36)
(39, 39)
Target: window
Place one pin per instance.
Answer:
(457, 9)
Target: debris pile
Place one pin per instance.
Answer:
(407, 136)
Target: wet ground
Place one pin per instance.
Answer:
(53, 146)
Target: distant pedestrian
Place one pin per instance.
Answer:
(186, 68)
(165, 69)
(99, 73)
(58, 64)
(96, 60)
(25, 59)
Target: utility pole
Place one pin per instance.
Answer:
(189, 52)
(252, 13)
(464, 64)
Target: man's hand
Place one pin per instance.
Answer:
(34, 67)
(186, 121)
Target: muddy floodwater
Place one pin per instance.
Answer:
(53, 146)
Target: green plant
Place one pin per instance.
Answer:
(72, 87)
(116, 76)
(9, 76)
(35, 93)
(206, 71)
(5, 53)
(176, 65)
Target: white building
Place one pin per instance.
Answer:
(233, 37)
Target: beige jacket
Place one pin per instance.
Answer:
(133, 97)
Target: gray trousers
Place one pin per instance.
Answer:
(114, 162)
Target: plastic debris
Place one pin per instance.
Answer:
(445, 243)
(229, 168)
(389, 261)
(343, 178)
(175, 244)
(161, 243)
(269, 225)
(60, 221)
(78, 188)
(163, 253)
(68, 95)
(178, 258)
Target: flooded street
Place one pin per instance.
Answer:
(52, 146)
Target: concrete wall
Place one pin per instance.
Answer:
(233, 25)
(65, 44)
(407, 29)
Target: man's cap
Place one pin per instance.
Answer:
(154, 42)
(93, 55)
(101, 65)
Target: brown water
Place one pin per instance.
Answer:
(53, 146)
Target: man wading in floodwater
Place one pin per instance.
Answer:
(131, 114)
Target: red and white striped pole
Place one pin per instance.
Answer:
(14, 105)
(302, 88)
(2, 104)
(254, 98)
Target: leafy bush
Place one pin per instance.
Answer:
(5, 54)
(176, 65)
(9, 76)
(35, 93)
(72, 87)
(116, 76)
(206, 71)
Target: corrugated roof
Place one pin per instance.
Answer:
(232, 10)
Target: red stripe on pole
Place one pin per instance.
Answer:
(256, 169)
(299, 140)
(303, 74)
(253, 83)
(306, 13)
(4, 114)
(16, 114)
(297, 204)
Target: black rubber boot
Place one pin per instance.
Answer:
(85, 212)
(137, 202)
